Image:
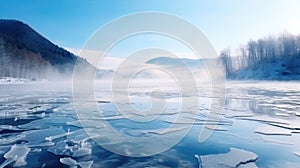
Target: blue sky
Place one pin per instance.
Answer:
(226, 23)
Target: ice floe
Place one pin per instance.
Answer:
(164, 130)
(297, 154)
(265, 118)
(272, 130)
(83, 150)
(87, 164)
(237, 113)
(216, 127)
(73, 147)
(73, 163)
(38, 137)
(248, 165)
(293, 125)
(11, 139)
(68, 161)
(234, 158)
(16, 154)
(86, 123)
(282, 114)
(61, 148)
(80, 136)
(277, 139)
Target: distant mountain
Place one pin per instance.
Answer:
(182, 65)
(168, 61)
(159, 68)
(24, 53)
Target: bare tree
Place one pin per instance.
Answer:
(225, 57)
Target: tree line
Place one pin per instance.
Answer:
(284, 47)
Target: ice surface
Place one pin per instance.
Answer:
(272, 130)
(5, 80)
(216, 127)
(73, 163)
(41, 120)
(86, 123)
(97, 117)
(234, 158)
(83, 150)
(282, 114)
(68, 161)
(11, 139)
(36, 124)
(190, 119)
(4, 149)
(79, 136)
(41, 144)
(9, 127)
(61, 148)
(268, 119)
(54, 137)
(75, 145)
(267, 138)
(16, 154)
(164, 131)
(248, 165)
(87, 164)
(235, 113)
(37, 137)
(297, 154)
(293, 125)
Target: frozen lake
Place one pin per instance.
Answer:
(260, 127)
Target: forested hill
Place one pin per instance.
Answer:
(24, 53)
(269, 58)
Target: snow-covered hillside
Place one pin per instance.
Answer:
(268, 58)
(279, 69)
